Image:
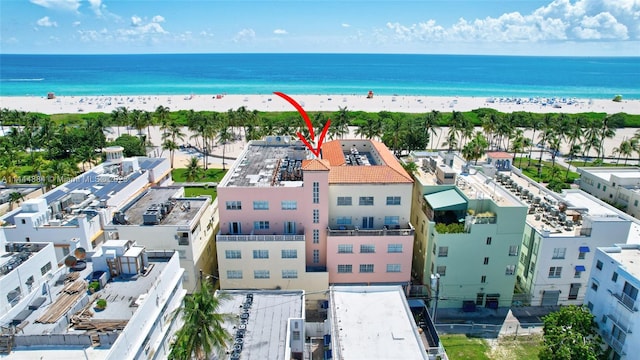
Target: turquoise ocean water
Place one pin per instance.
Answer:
(445, 75)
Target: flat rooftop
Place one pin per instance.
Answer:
(266, 329)
(21, 252)
(606, 173)
(123, 297)
(181, 211)
(266, 163)
(629, 259)
(373, 322)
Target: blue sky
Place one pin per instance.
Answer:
(500, 27)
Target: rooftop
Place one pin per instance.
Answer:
(265, 332)
(606, 173)
(628, 256)
(161, 206)
(373, 322)
(17, 254)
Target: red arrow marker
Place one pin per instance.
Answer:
(315, 151)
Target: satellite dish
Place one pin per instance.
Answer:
(80, 253)
(70, 261)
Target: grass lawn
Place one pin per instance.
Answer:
(211, 175)
(461, 347)
(197, 191)
(545, 174)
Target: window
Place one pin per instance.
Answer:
(182, 254)
(289, 253)
(316, 236)
(590, 306)
(393, 268)
(393, 200)
(391, 220)
(46, 268)
(513, 250)
(618, 335)
(486, 261)
(260, 205)
(366, 201)
(489, 240)
(316, 256)
(604, 188)
(260, 225)
(344, 200)
(366, 268)
(577, 274)
(443, 251)
(345, 248)
(532, 267)
(343, 220)
(510, 270)
(232, 254)
(296, 334)
(235, 227)
(441, 270)
(635, 203)
(581, 255)
(614, 277)
(599, 265)
(260, 254)
(316, 216)
(555, 271)
(234, 274)
(483, 279)
(479, 298)
(394, 248)
(289, 274)
(630, 291)
(261, 274)
(316, 192)
(558, 253)
(344, 269)
(367, 222)
(289, 205)
(367, 248)
(234, 205)
(594, 286)
(289, 227)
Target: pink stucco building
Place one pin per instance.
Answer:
(289, 220)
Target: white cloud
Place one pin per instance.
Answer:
(76, 23)
(344, 25)
(46, 22)
(66, 5)
(244, 35)
(559, 20)
(280, 32)
(96, 7)
(158, 19)
(136, 20)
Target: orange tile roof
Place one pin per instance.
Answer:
(389, 172)
(316, 165)
(499, 155)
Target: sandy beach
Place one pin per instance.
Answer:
(271, 102)
(222, 103)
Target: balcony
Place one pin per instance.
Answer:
(627, 301)
(616, 344)
(253, 237)
(620, 322)
(391, 230)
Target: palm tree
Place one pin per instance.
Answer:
(430, 125)
(15, 197)
(194, 171)
(606, 131)
(475, 148)
(223, 136)
(171, 134)
(162, 113)
(625, 149)
(340, 126)
(202, 333)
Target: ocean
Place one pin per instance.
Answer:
(339, 74)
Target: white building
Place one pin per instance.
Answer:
(142, 290)
(162, 218)
(612, 298)
(269, 324)
(73, 215)
(620, 186)
(23, 269)
(375, 322)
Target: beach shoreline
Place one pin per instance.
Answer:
(273, 103)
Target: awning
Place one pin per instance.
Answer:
(584, 249)
(446, 200)
(580, 268)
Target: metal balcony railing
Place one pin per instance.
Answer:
(259, 237)
(627, 301)
(391, 230)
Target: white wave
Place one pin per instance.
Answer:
(23, 80)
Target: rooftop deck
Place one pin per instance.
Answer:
(160, 206)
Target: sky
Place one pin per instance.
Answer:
(486, 27)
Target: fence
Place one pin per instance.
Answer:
(490, 330)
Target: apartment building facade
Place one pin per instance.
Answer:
(612, 297)
(619, 186)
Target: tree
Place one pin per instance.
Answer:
(202, 333)
(223, 136)
(194, 171)
(15, 198)
(570, 333)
